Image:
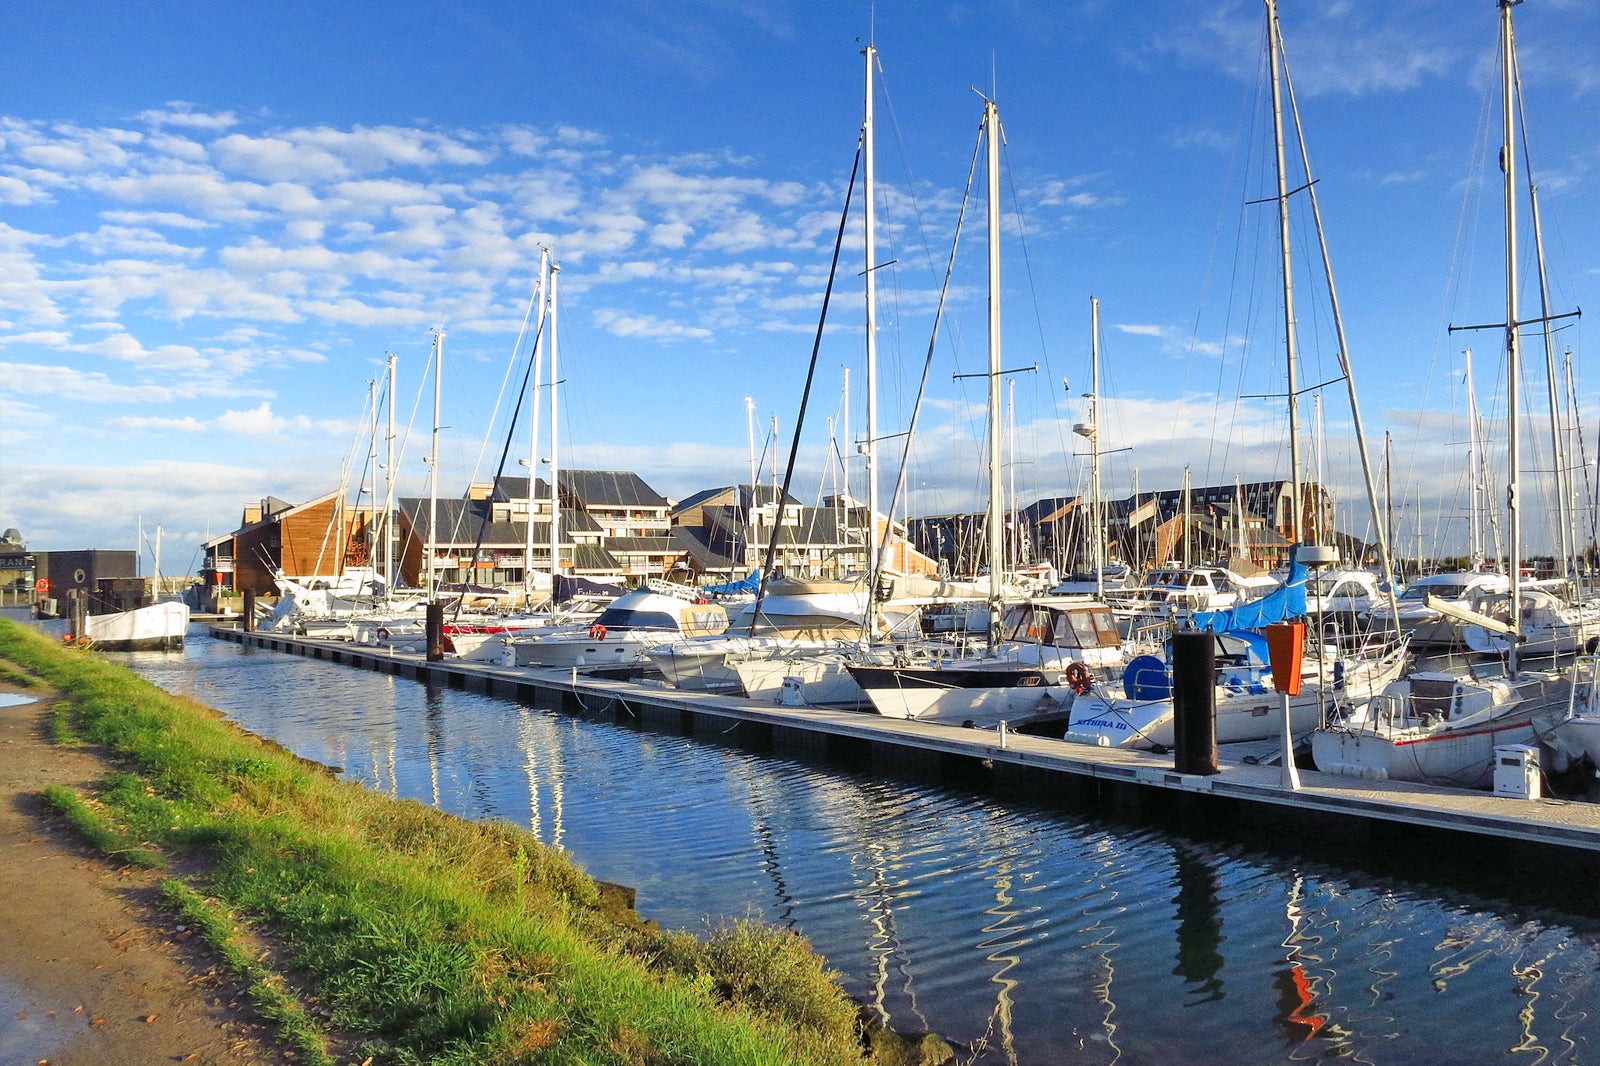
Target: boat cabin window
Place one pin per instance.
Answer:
(1094, 628)
(1030, 624)
(623, 618)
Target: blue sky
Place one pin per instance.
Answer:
(216, 220)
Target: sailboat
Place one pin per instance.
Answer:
(1246, 707)
(1019, 683)
(1443, 726)
(161, 624)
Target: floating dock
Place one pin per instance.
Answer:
(1491, 831)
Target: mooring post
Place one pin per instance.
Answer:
(435, 626)
(1194, 701)
(249, 610)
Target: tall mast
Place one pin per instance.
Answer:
(372, 472)
(750, 431)
(1096, 503)
(1186, 518)
(555, 458)
(541, 302)
(433, 471)
(1513, 343)
(870, 223)
(991, 127)
(388, 491)
(1276, 53)
(1384, 534)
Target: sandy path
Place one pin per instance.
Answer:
(90, 971)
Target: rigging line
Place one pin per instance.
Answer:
(483, 447)
(488, 511)
(1195, 345)
(927, 363)
(805, 397)
(344, 487)
(1033, 292)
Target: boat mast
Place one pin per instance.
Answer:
(555, 458)
(991, 127)
(372, 472)
(870, 222)
(1513, 341)
(540, 301)
(1092, 431)
(1187, 517)
(1275, 41)
(433, 472)
(1385, 535)
(388, 493)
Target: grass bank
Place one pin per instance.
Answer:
(381, 929)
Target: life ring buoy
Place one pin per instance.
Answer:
(383, 633)
(1077, 678)
(597, 632)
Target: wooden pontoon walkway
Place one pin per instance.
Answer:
(1392, 812)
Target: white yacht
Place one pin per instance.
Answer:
(621, 634)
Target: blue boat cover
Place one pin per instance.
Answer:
(1286, 601)
(751, 584)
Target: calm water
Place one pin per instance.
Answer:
(1031, 934)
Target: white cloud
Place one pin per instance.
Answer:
(624, 324)
(182, 114)
(260, 422)
(187, 424)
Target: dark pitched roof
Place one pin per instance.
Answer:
(692, 541)
(591, 488)
(614, 488)
(641, 544)
(733, 496)
(460, 521)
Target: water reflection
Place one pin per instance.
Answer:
(1199, 925)
(1028, 935)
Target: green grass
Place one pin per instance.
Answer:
(420, 937)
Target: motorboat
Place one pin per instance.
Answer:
(621, 634)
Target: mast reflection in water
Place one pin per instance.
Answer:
(1028, 935)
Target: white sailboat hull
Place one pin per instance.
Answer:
(1435, 729)
(160, 625)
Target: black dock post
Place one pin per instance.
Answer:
(1194, 700)
(435, 629)
(249, 610)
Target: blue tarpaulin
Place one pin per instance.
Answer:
(1282, 603)
(734, 588)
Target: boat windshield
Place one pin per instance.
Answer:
(1444, 590)
(624, 618)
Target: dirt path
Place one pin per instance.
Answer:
(91, 972)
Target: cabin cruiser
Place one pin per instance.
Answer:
(621, 634)
(796, 616)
